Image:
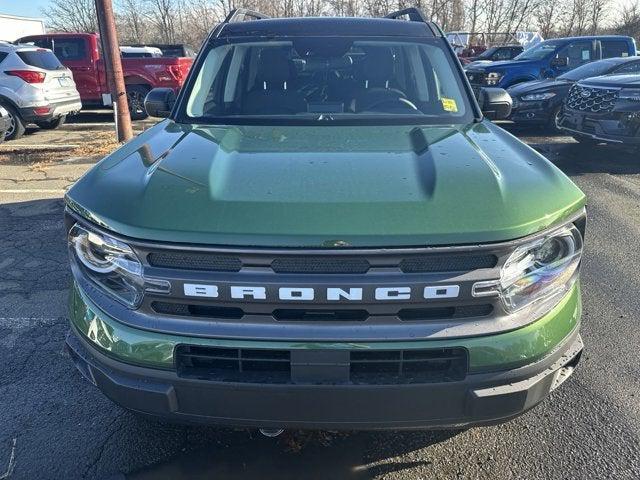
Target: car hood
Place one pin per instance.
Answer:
(538, 86)
(629, 80)
(478, 63)
(499, 66)
(325, 186)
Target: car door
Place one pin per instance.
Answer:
(575, 53)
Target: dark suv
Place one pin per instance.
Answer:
(326, 232)
(604, 109)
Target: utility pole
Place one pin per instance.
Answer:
(113, 68)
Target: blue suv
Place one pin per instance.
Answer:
(549, 59)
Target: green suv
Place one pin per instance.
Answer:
(326, 232)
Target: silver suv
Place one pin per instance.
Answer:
(35, 88)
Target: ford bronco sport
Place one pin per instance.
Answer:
(326, 232)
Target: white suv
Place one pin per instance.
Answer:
(35, 88)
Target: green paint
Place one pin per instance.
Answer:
(319, 186)
(486, 353)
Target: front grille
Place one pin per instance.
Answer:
(476, 78)
(233, 364)
(214, 312)
(592, 99)
(194, 261)
(447, 263)
(203, 311)
(408, 366)
(303, 264)
(370, 367)
(320, 265)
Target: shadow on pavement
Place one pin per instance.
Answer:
(295, 455)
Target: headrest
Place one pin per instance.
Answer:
(378, 65)
(274, 66)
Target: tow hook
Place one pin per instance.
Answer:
(271, 432)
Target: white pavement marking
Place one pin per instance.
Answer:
(12, 462)
(35, 190)
(14, 146)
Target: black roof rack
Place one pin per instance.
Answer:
(414, 14)
(240, 14)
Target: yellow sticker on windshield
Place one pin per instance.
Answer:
(449, 104)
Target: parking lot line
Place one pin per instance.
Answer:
(34, 190)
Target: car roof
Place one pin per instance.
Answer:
(328, 26)
(591, 37)
(18, 47)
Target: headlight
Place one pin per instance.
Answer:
(538, 97)
(493, 78)
(540, 272)
(632, 94)
(111, 265)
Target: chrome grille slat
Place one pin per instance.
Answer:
(591, 99)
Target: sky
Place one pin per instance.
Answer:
(24, 8)
(32, 8)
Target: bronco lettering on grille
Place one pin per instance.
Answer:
(351, 294)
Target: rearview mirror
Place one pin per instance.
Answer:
(495, 103)
(159, 102)
(560, 62)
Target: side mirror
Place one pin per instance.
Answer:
(159, 102)
(495, 103)
(560, 62)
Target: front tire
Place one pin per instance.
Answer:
(135, 98)
(586, 141)
(552, 125)
(53, 124)
(17, 125)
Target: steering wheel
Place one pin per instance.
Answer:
(392, 102)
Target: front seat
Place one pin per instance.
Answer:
(271, 94)
(377, 82)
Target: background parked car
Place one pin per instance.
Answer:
(549, 59)
(495, 54)
(140, 52)
(4, 123)
(174, 50)
(35, 88)
(539, 102)
(604, 109)
(80, 52)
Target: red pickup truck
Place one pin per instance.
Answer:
(80, 52)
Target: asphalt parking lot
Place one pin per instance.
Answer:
(55, 425)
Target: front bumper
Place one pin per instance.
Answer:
(615, 127)
(508, 374)
(481, 399)
(532, 113)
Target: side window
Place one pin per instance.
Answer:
(577, 53)
(614, 48)
(502, 54)
(69, 49)
(632, 67)
(3, 55)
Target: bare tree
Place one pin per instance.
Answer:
(71, 16)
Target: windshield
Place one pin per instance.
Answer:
(592, 69)
(487, 53)
(540, 51)
(327, 78)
